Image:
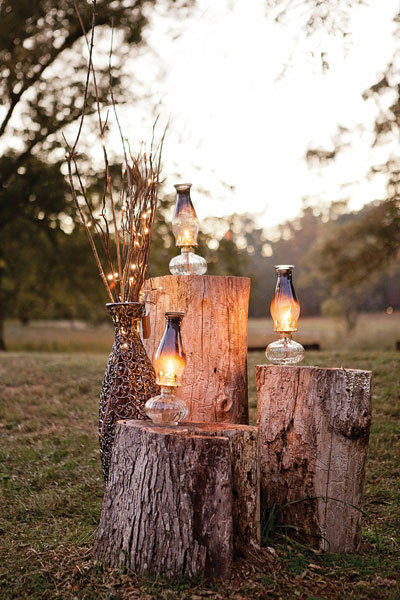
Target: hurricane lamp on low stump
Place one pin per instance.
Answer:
(169, 364)
(285, 311)
(185, 227)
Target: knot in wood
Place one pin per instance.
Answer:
(223, 406)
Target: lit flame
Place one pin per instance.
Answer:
(170, 369)
(186, 239)
(285, 315)
(168, 377)
(286, 320)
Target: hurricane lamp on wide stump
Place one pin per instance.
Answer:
(313, 429)
(214, 331)
(180, 501)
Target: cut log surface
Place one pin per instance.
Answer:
(172, 501)
(313, 429)
(214, 333)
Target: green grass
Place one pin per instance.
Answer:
(374, 331)
(51, 491)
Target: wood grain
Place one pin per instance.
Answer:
(314, 428)
(180, 500)
(214, 332)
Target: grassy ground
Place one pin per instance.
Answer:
(374, 331)
(52, 491)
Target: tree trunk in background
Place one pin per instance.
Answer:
(313, 428)
(214, 333)
(2, 312)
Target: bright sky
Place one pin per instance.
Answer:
(235, 121)
(239, 128)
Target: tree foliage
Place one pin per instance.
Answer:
(43, 64)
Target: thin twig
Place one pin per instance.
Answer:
(134, 215)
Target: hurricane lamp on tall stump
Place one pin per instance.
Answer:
(185, 227)
(169, 364)
(285, 311)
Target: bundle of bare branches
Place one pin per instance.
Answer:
(120, 226)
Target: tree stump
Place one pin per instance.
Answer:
(179, 499)
(313, 429)
(243, 443)
(214, 333)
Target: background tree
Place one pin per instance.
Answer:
(43, 62)
(358, 253)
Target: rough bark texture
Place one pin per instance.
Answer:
(214, 332)
(167, 509)
(313, 430)
(243, 442)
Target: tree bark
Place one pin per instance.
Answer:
(177, 497)
(243, 443)
(2, 311)
(214, 332)
(314, 428)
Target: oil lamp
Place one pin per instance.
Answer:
(185, 227)
(285, 311)
(169, 365)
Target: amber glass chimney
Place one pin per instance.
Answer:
(285, 311)
(185, 227)
(169, 365)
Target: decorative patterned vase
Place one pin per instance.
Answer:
(129, 380)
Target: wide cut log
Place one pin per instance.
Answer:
(177, 502)
(313, 432)
(214, 332)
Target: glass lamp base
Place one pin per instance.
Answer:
(188, 263)
(285, 351)
(166, 409)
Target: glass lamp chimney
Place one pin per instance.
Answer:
(285, 311)
(185, 227)
(285, 308)
(169, 365)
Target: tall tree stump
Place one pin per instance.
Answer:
(179, 499)
(214, 332)
(313, 429)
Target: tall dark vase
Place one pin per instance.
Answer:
(129, 379)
